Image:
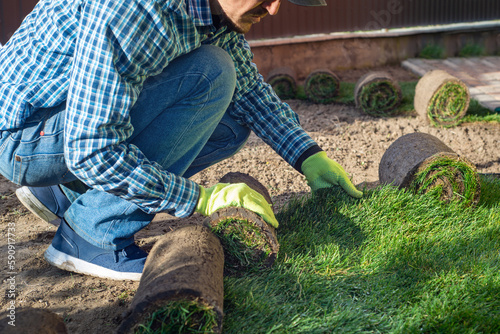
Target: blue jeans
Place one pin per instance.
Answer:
(178, 122)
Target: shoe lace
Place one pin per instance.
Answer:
(129, 251)
(116, 255)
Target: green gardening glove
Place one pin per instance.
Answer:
(323, 172)
(234, 194)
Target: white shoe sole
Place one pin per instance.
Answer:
(70, 263)
(35, 206)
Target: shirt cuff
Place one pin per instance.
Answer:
(307, 153)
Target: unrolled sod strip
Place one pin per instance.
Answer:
(441, 98)
(377, 94)
(181, 289)
(422, 163)
(322, 86)
(284, 82)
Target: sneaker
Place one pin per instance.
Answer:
(47, 203)
(71, 252)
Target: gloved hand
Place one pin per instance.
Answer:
(323, 172)
(234, 194)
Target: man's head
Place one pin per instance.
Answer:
(239, 15)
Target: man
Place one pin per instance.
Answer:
(108, 107)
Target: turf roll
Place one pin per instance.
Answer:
(422, 163)
(249, 243)
(377, 94)
(238, 177)
(441, 98)
(322, 86)
(284, 82)
(181, 289)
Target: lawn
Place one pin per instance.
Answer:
(391, 262)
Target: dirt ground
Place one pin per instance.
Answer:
(355, 140)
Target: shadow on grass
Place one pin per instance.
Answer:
(490, 191)
(310, 222)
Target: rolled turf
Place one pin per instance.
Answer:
(322, 86)
(284, 82)
(423, 163)
(249, 243)
(238, 177)
(181, 289)
(377, 94)
(441, 98)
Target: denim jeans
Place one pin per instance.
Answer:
(179, 122)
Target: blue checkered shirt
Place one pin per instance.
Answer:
(94, 55)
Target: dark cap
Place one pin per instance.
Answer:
(309, 2)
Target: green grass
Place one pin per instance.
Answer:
(246, 247)
(478, 113)
(432, 51)
(180, 317)
(472, 50)
(408, 90)
(391, 262)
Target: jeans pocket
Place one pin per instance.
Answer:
(34, 155)
(41, 170)
(39, 158)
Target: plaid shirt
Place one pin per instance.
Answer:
(95, 55)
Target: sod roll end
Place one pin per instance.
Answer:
(181, 289)
(249, 243)
(378, 94)
(284, 82)
(453, 177)
(322, 86)
(423, 163)
(441, 98)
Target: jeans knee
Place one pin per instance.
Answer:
(218, 58)
(220, 64)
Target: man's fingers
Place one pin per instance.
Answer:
(347, 185)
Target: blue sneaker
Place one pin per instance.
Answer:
(47, 203)
(71, 252)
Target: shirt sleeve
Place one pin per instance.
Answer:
(120, 44)
(258, 106)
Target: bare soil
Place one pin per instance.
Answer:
(355, 140)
